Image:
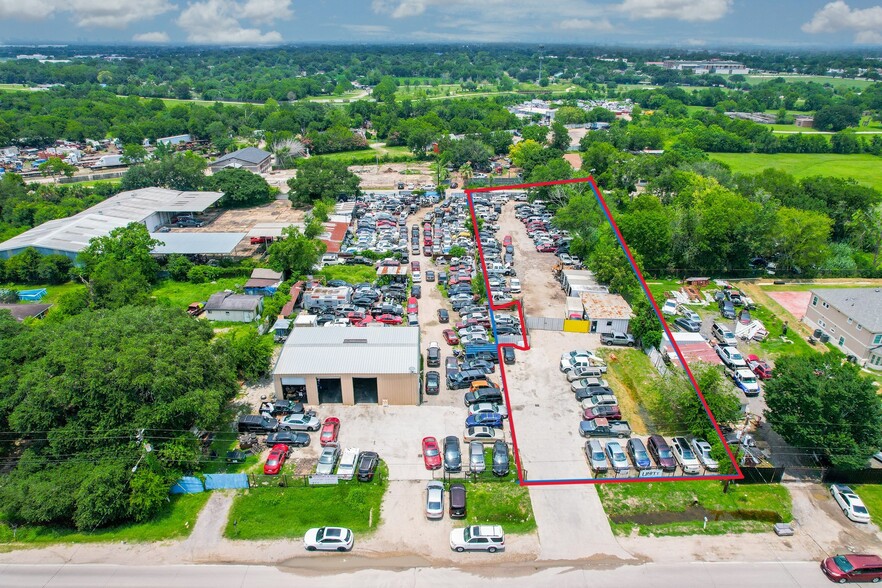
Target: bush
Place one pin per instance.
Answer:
(178, 267)
(199, 274)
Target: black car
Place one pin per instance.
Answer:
(508, 355)
(430, 276)
(483, 395)
(688, 325)
(416, 291)
(591, 391)
(500, 459)
(289, 438)
(452, 454)
(281, 408)
(433, 382)
(443, 315)
(433, 357)
(256, 423)
(367, 465)
(479, 364)
(508, 330)
(727, 309)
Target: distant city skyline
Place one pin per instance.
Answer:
(670, 23)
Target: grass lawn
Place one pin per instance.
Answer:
(835, 82)
(679, 508)
(53, 291)
(506, 504)
(351, 273)
(868, 283)
(181, 294)
(16, 88)
(865, 168)
(175, 521)
(774, 346)
(658, 288)
(629, 374)
(279, 513)
(871, 494)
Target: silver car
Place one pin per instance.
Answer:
(596, 457)
(476, 457)
(702, 450)
(328, 460)
(434, 500)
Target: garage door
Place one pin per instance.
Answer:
(330, 391)
(364, 390)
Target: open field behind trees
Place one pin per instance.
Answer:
(835, 82)
(865, 168)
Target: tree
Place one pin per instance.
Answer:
(385, 90)
(525, 153)
(251, 353)
(178, 266)
(560, 138)
(536, 133)
(241, 187)
(297, 253)
(837, 117)
(820, 404)
(322, 210)
(134, 153)
(119, 267)
(467, 150)
(801, 237)
(321, 179)
(55, 166)
(865, 229)
(178, 171)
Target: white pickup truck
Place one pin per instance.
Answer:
(348, 463)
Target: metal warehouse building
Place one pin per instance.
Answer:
(350, 365)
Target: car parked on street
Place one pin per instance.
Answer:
(328, 539)
(328, 460)
(851, 504)
(853, 567)
(617, 459)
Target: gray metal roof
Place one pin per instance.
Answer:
(863, 305)
(229, 301)
(195, 243)
(73, 233)
(350, 350)
(249, 155)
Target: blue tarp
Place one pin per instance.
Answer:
(221, 481)
(31, 294)
(187, 485)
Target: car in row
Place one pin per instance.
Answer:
(690, 456)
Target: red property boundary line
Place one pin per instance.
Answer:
(525, 346)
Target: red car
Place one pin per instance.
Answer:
(506, 241)
(276, 459)
(762, 370)
(330, 429)
(389, 319)
(609, 412)
(450, 337)
(355, 316)
(363, 322)
(412, 305)
(548, 248)
(431, 453)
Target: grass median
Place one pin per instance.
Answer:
(287, 513)
(174, 521)
(679, 508)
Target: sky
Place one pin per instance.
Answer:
(685, 23)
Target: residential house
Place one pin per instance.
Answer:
(238, 308)
(852, 318)
(250, 158)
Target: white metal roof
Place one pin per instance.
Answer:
(195, 243)
(350, 350)
(73, 233)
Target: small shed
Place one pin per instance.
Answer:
(263, 281)
(697, 282)
(240, 308)
(280, 329)
(397, 273)
(607, 312)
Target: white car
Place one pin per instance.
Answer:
(669, 308)
(585, 372)
(731, 357)
(482, 434)
(599, 400)
(346, 469)
(689, 313)
(300, 422)
(702, 450)
(576, 363)
(585, 382)
(489, 538)
(484, 407)
(515, 286)
(328, 539)
(685, 457)
(850, 503)
(434, 500)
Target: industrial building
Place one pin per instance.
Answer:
(350, 365)
(607, 312)
(251, 158)
(152, 207)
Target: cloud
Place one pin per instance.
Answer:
(266, 11)
(839, 16)
(217, 22)
(364, 29)
(406, 8)
(86, 13)
(19, 10)
(688, 10)
(154, 37)
(585, 24)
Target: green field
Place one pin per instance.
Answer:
(174, 521)
(181, 294)
(834, 82)
(287, 513)
(866, 169)
(506, 504)
(661, 509)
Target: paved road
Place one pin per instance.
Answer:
(718, 575)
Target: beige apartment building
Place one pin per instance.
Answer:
(852, 317)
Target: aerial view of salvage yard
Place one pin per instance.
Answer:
(425, 294)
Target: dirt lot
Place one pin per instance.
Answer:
(388, 175)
